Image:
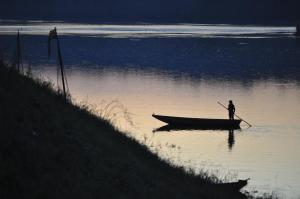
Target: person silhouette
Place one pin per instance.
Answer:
(231, 110)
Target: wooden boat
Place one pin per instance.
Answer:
(227, 190)
(233, 186)
(198, 123)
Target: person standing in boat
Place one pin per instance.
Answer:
(231, 110)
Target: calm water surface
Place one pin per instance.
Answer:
(268, 152)
(185, 75)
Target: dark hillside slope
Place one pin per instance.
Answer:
(50, 148)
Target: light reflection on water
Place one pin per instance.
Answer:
(267, 152)
(145, 30)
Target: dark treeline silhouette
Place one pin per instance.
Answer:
(231, 11)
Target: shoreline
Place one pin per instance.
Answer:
(54, 149)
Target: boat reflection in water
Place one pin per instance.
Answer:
(181, 128)
(168, 128)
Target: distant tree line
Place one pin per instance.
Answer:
(254, 11)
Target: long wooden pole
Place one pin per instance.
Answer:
(18, 51)
(20, 59)
(61, 67)
(235, 114)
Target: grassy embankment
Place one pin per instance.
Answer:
(50, 148)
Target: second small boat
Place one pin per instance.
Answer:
(199, 122)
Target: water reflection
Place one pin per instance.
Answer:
(187, 128)
(170, 128)
(147, 30)
(230, 139)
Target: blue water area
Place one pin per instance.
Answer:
(237, 58)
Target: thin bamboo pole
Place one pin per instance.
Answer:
(61, 66)
(234, 114)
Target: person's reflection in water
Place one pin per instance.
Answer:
(230, 139)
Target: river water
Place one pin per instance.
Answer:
(183, 70)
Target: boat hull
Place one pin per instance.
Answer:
(198, 123)
(233, 186)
